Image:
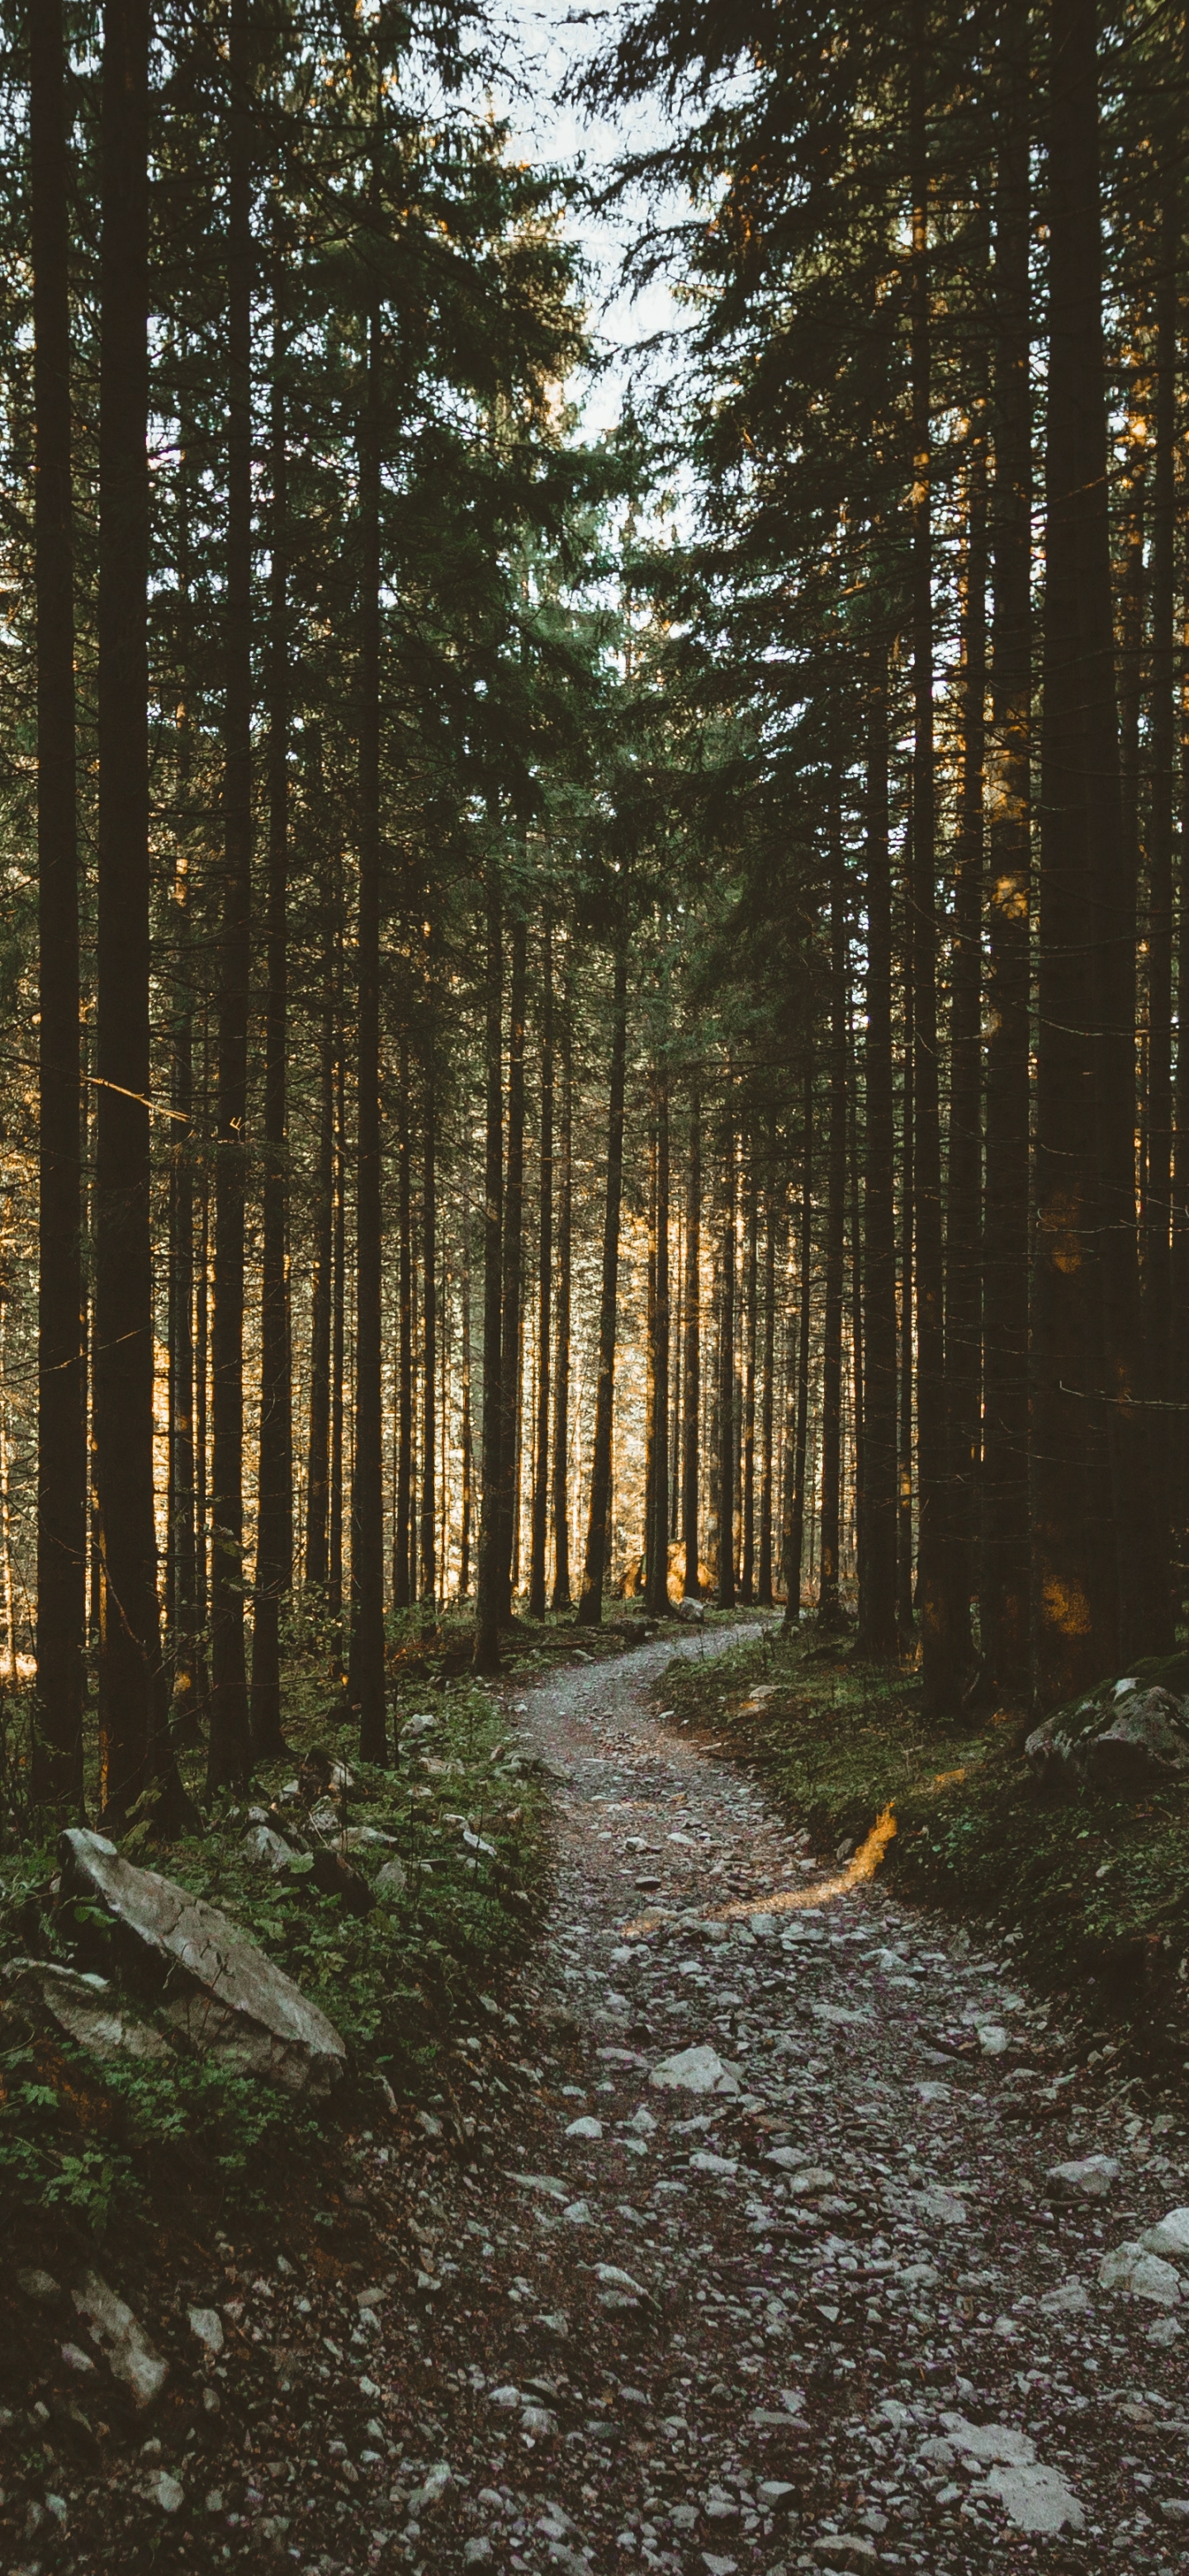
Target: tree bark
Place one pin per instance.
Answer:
(656, 1536)
(129, 1643)
(830, 1606)
(401, 1575)
(274, 1547)
(1158, 1227)
(590, 1606)
(691, 1455)
(725, 1591)
(828, 1602)
(367, 1689)
(61, 1453)
(318, 1456)
(202, 1356)
(189, 1696)
(858, 1416)
(465, 1432)
(338, 1320)
(878, 1633)
(939, 1669)
(905, 1603)
(561, 1401)
(1004, 1584)
(229, 1745)
(750, 1332)
(511, 1348)
(1075, 1496)
(540, 1512)
(429, 1345)
(488, 1600)
(768, 1399)
(963, 1250)
(794, 1529)
(183, 1538)
(1178, 1469)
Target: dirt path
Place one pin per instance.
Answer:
(827, 2313)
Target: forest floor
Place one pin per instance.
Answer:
(809, 2297)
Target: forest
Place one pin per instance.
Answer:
(589, 1016)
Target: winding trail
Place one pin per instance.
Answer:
(810, 2302)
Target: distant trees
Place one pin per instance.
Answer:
(567, 1043)
(870, 429)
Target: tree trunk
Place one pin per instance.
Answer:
(905, 1605)
(1178, 1377)
(939, 1671)
(1158, 1229)
(828, 1603)
(274, 1547)
(367, 1489)
(1074, 1543)
(794, 1530)
(768, 1400)
(338, 1322)
(202, 1359)
(488, 1600)
(429, 1345)
(656, 1535)
(1004, 1589)
(511, 1347)
(465, 1432)
(878, 1635)
(540, 1529)
(182, 1532)
(561, 1401)
(725, 1593)
(61, 1452)
(229, 1746)
(129, 1644)
(691, 1450)
(318, 1461)
(401, 1574)
(181, 1590)
(677, 1345)
(750, 1330)
(858, 1414)
(590, 1606)
(963, 1251)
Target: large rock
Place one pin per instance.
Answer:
(1036, 2498)
(121, 2338)
(1169, 2238)
(1147, 2276)
(1122, 1734)
(86, 2008)
(695, 2070)
(218, 1987)
(1085, 2178)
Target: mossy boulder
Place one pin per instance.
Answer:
(1125, 1731)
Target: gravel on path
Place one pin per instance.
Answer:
(762, 2261)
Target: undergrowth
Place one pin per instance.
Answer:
(1094, 1886)
(398, 1979)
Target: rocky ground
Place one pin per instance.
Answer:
(756, 2260)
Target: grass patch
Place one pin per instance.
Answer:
(1092, 1887)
